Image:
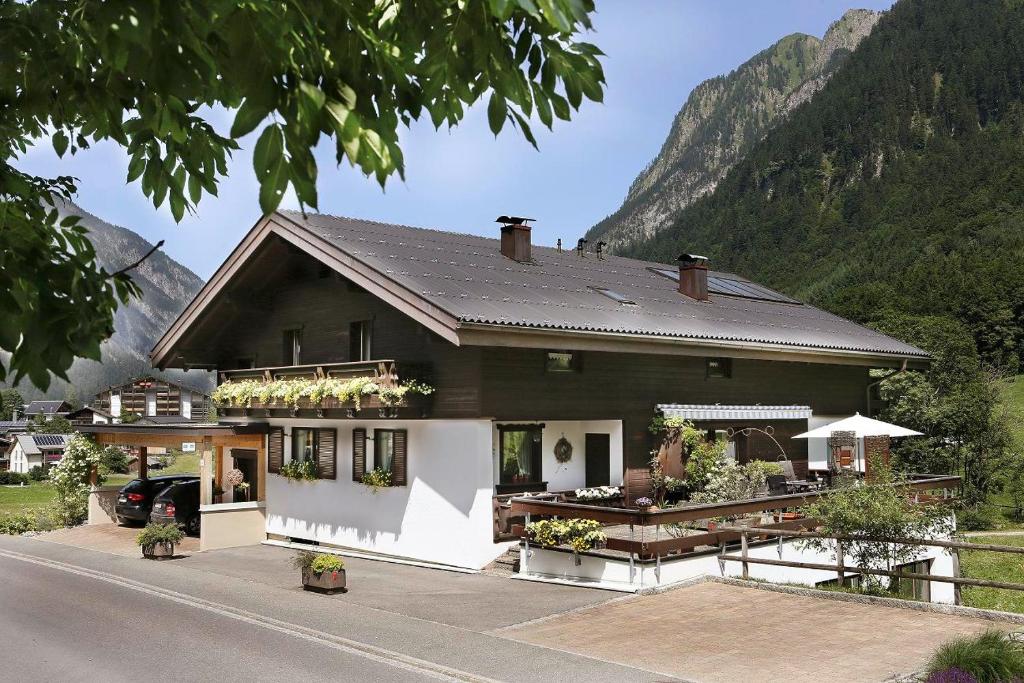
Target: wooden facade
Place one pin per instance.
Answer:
(283, 289)
(167, 398)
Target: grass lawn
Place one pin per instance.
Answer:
(994, 567)
(16, 499)
(184, 463)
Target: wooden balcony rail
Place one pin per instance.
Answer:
(384, 371)
(842, 570)
(636, 517)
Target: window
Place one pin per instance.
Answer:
(718, 367)
(520, 454)
(562, 361)
(303, 444)
(614, 296)
(383, 449)
(292, 347)
(360, 334)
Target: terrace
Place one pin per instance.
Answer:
(647, 548)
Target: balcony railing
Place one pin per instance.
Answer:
(388, 377)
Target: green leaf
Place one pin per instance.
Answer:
(248, 116)
(560, 106)
(60, 142)
(136, 166)
(195, 188)
(497, 110)
(273, 184)
(269, 150)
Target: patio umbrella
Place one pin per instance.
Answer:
(859, 425)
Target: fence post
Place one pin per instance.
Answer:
(956, 574)
(841, 563)
(526, 546)
(743, 554)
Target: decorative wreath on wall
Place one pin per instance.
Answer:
(234, 477)
(563, 450)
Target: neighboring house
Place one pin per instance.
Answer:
(153, 397)
(88, 415)
(548, 368)
(30, 450)
(44, 410)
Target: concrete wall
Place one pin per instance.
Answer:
(102, 500)
(443, 515)
(232, 524)
(615, 574)
(571, 475)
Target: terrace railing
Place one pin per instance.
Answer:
(384, 372)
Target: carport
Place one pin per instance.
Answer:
(221, 446)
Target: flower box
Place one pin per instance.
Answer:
(325, 582)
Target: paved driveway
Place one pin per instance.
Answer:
(718, 632)
(110, 538)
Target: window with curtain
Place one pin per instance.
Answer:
(383, 449)
(303, 444)
(520, 454)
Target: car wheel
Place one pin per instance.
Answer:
(192, 525)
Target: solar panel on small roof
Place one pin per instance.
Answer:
(48, 439)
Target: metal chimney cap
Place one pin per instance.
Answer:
(512, 220)
(691, 258)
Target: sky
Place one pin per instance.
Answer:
(657, 51)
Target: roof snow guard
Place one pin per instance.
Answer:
(463, 289)
(708, 413)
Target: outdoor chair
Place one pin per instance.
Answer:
(777, 485)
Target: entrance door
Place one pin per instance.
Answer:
(598, 459)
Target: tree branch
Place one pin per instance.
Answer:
(140, 261)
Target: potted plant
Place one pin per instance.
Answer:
(646, 504)
(218, 494)
(321, 572)
(158, 540)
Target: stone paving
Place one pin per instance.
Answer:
(717, 632)
(110, 538)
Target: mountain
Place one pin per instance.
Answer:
(723, 118)
(897, 188)
(167, 287)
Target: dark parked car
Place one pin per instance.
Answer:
(135, 499)
(178, 503)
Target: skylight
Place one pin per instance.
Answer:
(614, 296)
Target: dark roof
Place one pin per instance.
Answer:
(13, 426)
(467, 277)
(31, 443)
(46, 407)
(88, 409)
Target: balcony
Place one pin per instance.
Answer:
(376, 388)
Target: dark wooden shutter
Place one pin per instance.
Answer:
(275, 449)
(399, 465)
(327, 453)
(358, 454)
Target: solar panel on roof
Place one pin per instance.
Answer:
(747, 290)
(48, 439)
(614, 296)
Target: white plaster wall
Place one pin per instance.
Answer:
(18, 463)
(186, 405)
(616, 574)
(115, 404)
(570, 475)
(443, 515)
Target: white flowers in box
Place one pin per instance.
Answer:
(598, 493)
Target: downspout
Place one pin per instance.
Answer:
(903, 368)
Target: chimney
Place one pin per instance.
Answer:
(693, 276)
(515, 238)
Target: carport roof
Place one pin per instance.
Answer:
(179, 429)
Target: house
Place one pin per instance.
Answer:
(152, 397)
(44, 410)
(31, 450)
(547, 368)
(89, 415)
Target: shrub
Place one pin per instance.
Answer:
(992, 657)
(317, 563)
(975, 518)
(16, 524)
(155, 534)
(70, 479)
(37, 473)
(9, 478)
(113, 460)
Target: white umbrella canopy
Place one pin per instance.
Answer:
(859, 425)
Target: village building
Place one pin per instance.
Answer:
(452, 372)
(150, 397)
(36, 450)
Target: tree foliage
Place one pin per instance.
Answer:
(10, 401)
(70, 480)
(146, 75)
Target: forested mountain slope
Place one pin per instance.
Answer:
(167, 287)
(722, 119)
(898, 187)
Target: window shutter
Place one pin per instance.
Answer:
(358, 454)
(275, 449)
(399, 465)
(327, 453)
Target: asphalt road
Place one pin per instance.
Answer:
(56, 625)
(74, 614)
